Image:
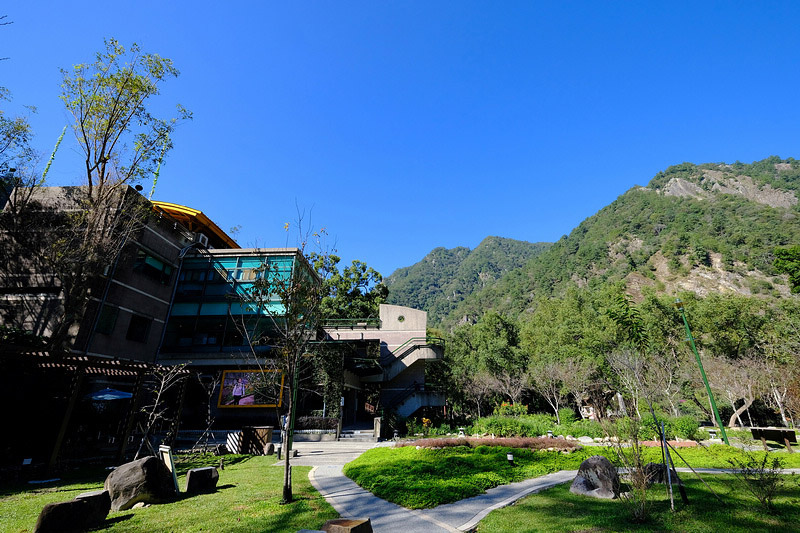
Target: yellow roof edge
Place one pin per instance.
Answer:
(201, 218)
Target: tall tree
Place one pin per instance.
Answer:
(122, 143)
(787, 261)
(354, 292)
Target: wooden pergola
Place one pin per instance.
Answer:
(78, 367)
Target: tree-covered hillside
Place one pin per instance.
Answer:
(444, 277)
(703, 228)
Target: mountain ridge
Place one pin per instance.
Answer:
(439, 281)
(703, 228)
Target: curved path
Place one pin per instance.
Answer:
(351, 501)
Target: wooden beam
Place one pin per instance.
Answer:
(77, 383)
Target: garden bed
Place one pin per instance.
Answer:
(528, 443)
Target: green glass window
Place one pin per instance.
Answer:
(107, 319)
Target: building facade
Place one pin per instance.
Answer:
(176, 291)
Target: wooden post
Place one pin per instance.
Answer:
(77, 382)
(176, 421)
(788, 446)
(123, 445)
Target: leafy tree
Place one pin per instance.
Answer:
(787, 261)
(547, 378)
(122, 142)
(15, 137)
(355, 292)
(495, 345)
(289, 329)
(564, 340)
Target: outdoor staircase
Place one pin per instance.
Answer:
(411, 399)
(357, 435)
(405, 355)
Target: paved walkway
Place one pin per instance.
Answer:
(351, 501)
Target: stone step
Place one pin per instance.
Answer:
(357, 436)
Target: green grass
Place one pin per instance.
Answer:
(424, 478)
(247, 499)
(558, 510)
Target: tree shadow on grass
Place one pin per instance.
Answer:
(185, 495)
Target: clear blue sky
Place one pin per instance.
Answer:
(402, 126)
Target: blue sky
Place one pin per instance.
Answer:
(402, 126)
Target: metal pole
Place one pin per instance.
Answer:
(689, 336)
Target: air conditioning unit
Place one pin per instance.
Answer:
(201, 238)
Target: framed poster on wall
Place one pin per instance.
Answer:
(251, 388)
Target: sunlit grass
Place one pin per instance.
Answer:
(558, 510)
(247, 499)
(424, 478)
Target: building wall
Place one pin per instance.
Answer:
(128, 301)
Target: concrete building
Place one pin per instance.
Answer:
(175, 292)
(405, 349)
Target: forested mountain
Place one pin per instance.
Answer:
(702, 228)
(445, 277)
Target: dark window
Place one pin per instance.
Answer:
(107, 320)
(138, 328)
(152, 267)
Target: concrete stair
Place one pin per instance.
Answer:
(357, 435)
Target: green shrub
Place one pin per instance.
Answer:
(414, 427)
(417, 427)
(581, 428)
(511, 409)
(506, 426)
(760, 474)
(567, 416)
(684, 427)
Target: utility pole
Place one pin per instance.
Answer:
(690, 338)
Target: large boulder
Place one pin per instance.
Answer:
(145, 480)
(99, 504)
(597, 478)
(63, 516)
(199, 480)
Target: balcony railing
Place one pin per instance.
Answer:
(352, 323)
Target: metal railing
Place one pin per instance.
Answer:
(413, 343)
(352, 323)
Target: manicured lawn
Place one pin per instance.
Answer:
(558, 510)
(247, 499)
(424, 478)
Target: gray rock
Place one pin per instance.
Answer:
(597, 478)
(99, 504)
(145, 480)
(63, 516)
(269, 449)
(199, 480)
